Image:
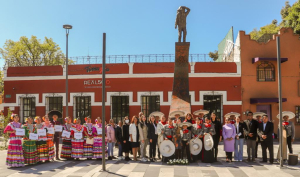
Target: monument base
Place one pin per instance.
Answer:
(180, 95)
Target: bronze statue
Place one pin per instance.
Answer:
(182, 13)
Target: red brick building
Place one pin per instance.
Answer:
(131, 88)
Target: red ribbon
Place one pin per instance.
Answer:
(170, 136)
(199, 126)
(232, 122)
(164, 123)
(207, 125)
(285, 123)
(170, 126)
(259, 121)
(185, 131)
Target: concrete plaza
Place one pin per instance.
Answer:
(87, 168)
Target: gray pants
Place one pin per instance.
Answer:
(143, 148)
(251, 144)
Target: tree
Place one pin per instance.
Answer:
(1, 82)
(272, 28)
(292, 19)
(32, 52)
(285, 11)
(214, 55)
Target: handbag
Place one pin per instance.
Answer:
(90, 141)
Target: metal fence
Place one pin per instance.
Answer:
(148, 58)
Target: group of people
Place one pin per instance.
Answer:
(135, 135)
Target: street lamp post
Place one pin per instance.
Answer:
(67, 27)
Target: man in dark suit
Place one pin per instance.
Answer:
(56, 135)
(250, 132)
(265, 133)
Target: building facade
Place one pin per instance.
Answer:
(259, 78)
(130, 89)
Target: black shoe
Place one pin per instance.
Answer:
(113, 157)
(109, 158)
(146, 156)
(263, 161)
(151, 160)
(248, 160)
(159, 157)
(253, 159)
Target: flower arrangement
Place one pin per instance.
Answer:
(178, 162)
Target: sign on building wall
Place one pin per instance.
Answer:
(95, 83)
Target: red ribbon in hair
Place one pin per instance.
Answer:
(199, 126)
(285, 123)
(185, 131)
(207, 125)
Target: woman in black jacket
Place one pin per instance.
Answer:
(126, 143)
(119, 138)
(152, 136)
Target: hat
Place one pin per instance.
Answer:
(195, 146)
(287, 113)
(156, 113)
(185, 123)
(201, 111)
(172, 114)
(258, 114)
(232, 114)
(208, 142)
(167, 148)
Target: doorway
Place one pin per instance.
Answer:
(266, 109)
(213, 103)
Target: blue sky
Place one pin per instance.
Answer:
(132, 26)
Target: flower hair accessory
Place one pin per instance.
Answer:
(13, 115)
(86, 118)
(26, 120)
(75, 120)
(35, 119)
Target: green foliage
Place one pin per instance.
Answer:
(285, 11)
(214, 55)
(32, 52)
(292, 19)
(272, 28)
(4, 121)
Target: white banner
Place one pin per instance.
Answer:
(58, 128)
(33, 136)
(99, 131)
(50, 130)
(66, 134)
(41, 132)
(78, 136)
(20, 132)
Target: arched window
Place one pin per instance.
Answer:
(265, 71)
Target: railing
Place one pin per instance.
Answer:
(148, 58)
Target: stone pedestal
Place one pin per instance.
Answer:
(180, 95)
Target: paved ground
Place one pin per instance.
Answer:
(116, 168)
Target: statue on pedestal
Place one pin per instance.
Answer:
(182, 13)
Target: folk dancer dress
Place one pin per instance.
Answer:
(15, 151)
(77, 144)
(97, 146)
(208, 156)
(29, 146)
(88, 148)
(66, 150)
(41, 145)
(196, 132)
(50, 143)
(229, 131)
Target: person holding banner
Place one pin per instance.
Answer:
(57, 134)
(66, 149)
(88, 135)
(97, 146)
(50, 137)
(29, 146)
(14, 151)
(77, 139)
(41, 144)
